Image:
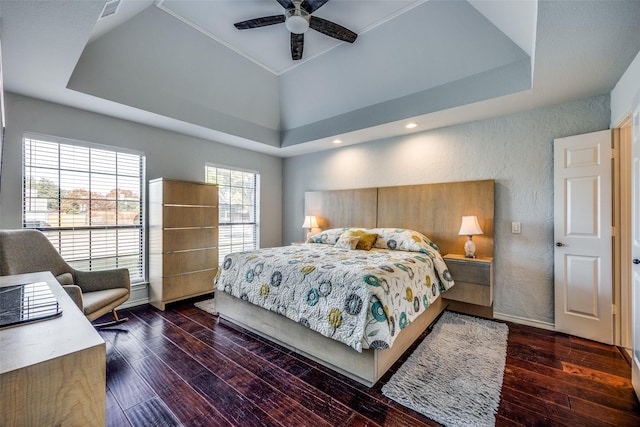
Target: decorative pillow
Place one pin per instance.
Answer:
(403, 240)
(328, 237)
(347, 242)
(366, 240)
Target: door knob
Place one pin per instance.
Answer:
(636, 261)
(559, 244)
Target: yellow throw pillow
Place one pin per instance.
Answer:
(366, 239)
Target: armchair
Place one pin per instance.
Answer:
(95, 293)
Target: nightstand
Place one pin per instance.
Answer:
(473, 279)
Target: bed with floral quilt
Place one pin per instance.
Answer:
(360, 288)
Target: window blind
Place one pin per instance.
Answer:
(88, 200)
(238, 209)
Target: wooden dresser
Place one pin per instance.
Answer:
(183, 239)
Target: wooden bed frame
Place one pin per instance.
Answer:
(433, 209)
(366, 367)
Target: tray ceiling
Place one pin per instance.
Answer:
(269, 46)
(182, 65)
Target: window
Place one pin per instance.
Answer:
(238, 209)
(87, 199)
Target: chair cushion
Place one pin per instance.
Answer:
(65, 279)
(94, 301)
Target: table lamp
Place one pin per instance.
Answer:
(469, 227)
(310, 222)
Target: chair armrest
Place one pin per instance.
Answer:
(90, 281)
(76, 295)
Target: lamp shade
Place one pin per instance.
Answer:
(469, 226)
(310, 222)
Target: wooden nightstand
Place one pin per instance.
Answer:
(474, 284)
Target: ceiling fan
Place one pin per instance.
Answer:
(298, 19)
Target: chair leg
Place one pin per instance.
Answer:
(115, 322)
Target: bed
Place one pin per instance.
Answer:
(361, 296)
(353, 305)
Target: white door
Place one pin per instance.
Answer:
(635, 249)
(582, 232)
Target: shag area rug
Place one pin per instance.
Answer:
(208, 305)
(455, 375)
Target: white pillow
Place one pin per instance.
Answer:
(401, 239)
(327, 237)
(347, 242)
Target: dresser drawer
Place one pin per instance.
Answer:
(176, 192)
(189, 216)
(182, 239)
(185, 285)
(462, 271)
(189, 261)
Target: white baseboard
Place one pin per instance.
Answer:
(139, 295)
(525, 321)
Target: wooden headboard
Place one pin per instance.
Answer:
(435, 210)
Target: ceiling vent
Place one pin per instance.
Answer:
(110, 8)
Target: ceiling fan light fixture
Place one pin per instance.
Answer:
(297, 20)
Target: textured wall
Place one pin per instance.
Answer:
(515, 150)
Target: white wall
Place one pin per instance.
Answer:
(515, 150)
(168, 154)
(626, 93)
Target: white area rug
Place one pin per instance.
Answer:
(455, 375)
(208, 305)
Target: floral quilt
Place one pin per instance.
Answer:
(358, 297)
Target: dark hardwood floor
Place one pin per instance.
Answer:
(184, 367)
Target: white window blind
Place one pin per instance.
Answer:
(238, 209)
(88, 200)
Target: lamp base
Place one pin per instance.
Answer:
(469, 249)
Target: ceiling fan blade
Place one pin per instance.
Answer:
(332, 29)
(312, 5)
(287, 4)
(297, 44)
(260, 22)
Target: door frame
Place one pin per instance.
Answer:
(622, 222)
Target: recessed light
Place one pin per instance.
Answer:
(410, 125)
(337, 141)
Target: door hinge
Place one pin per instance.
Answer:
(614, 309)
(613, 153)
